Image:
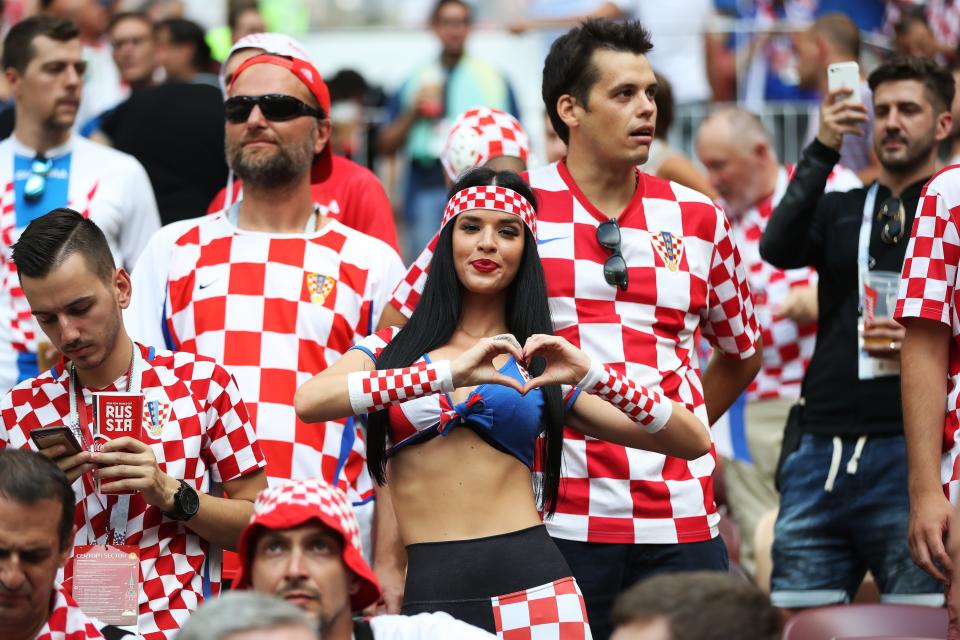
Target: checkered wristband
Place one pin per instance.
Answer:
(375, 390)
(644, 406)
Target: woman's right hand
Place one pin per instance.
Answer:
(475, 365)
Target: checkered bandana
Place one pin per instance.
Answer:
(494, 198)
(480, 134)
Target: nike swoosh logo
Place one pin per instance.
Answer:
(204, 286)
(546, 240)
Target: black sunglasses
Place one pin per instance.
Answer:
(275, 107)
(615, 267)
(892, 216)
(36, 184)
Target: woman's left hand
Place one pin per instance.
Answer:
(565, 363)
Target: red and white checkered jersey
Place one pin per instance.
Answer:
(685, 274)
(929, 289)
(110, 188)
(787, 348)
(552, 611)
(67, 621)
(275, 309)
(203, 435)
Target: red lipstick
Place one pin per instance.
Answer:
(485, 266)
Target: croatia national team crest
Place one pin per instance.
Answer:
(155, 416)
(670, 248)
(319, 286)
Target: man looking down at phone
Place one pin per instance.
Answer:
(843, 480)
(154, 494)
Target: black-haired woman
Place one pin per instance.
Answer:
(476, 364)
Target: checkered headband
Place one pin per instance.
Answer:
(480, 134)
(295, 502)
(494, 198)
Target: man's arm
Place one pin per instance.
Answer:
(725, 379)
(923, 381)
(389, 554)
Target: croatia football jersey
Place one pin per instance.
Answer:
(199, 431)
(109, 187)
(67, 621)
(685, 274)
(787, 347)
(275, 309)
(929, 289)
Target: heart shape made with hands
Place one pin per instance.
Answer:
(564, 363)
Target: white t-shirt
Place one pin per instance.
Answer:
(109, 187)
(425, 626)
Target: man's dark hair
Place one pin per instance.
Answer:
(440, 4)
(129, 15)
(18, 48)
(569, 68)
(700, 605)
(936, 79)
(183, 31)
(238, 9)
(57, 235)
(664, 101)
(27, 477)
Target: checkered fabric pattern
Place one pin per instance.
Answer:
(645, 407)
(648, 332)
(67, 621)
(275, 309)
(929, 289)
(110, 202)
(314, 495)
(374, 390)
(207, 440)
(488, 197)
(552, 611)
(480, 134)
(787, 347)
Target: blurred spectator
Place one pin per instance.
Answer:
(351, 99)
(36, 535)
(696, 605)
(102, 88)
(183, 52)
(134, 46)
(941, 17)
(248, 616)
(554, 147)
(914, 37)
(954, 139)
(420, 112)
(664, 161)
(351, 193)
(834, 38)
(46, 166)
(245, 19)
(160, 10)
(843, 488)
(742, 165)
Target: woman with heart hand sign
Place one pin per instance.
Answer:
(468, 509)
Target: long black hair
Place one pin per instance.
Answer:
(436, 316)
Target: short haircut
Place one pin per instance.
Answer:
(440, 4)
(55, 236)
(745, 125)
(18, 48)
(840, 31)
(28, 477)
(700, 605)
(239, 8)
(937, 80)
(183, 31)
(239, 611)
(129, 15)
(569, 67)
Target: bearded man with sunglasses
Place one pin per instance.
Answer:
(270, 286)
(44, 165)
(843, 478)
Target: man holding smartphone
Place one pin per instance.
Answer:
(153, 495)
(843, 480)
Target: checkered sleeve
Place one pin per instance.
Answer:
(929, 276)
(374, 344)
(407, 294)
(731, 324)
(231, 447)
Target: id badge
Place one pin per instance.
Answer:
(106, 582)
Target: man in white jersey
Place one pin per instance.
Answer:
(44, 166)
(635, 265)
(270, 286)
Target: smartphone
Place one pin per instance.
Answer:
(845, 75)
(47, 437)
